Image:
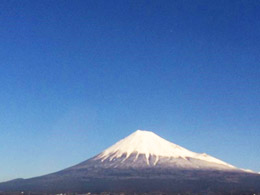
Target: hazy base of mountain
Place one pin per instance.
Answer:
(140, 181)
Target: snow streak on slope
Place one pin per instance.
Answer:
(149, 144)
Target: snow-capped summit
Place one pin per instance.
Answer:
(150, 145)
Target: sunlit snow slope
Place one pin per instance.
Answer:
(149, 144)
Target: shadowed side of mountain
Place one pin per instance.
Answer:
(142, 180)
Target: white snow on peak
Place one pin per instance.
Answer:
(247, 170)
(149, 144)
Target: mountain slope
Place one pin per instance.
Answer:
(144, 162)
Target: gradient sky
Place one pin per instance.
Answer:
(77, 76)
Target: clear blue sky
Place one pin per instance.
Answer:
(77, 76)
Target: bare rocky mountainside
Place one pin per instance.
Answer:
(143, 162)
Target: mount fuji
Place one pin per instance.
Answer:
(144, 162)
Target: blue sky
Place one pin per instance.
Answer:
(77, 76)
